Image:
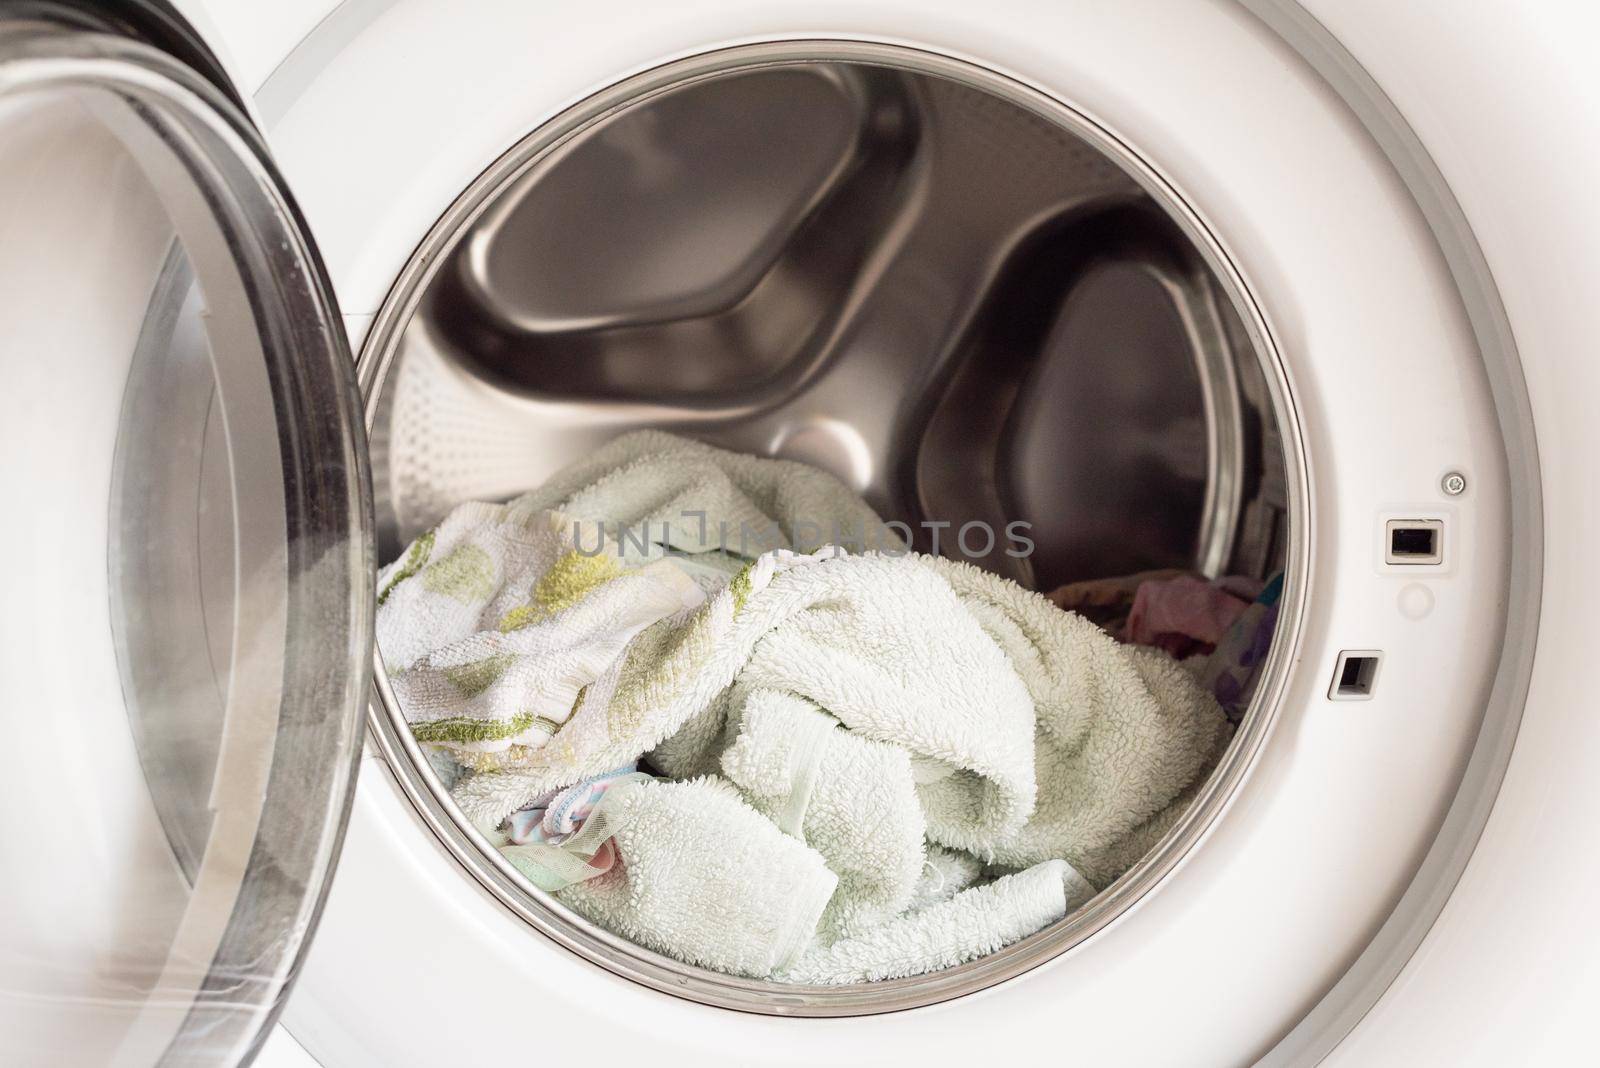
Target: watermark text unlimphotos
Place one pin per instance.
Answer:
(975, 540)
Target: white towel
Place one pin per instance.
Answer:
(704, 878)
(493, 623)
(850, 798)
(668, 675)
(854, 699)
(1122, 731)
(945, 873)
(1105, 865)
(707, 499)
(880, 643)
(972, 924)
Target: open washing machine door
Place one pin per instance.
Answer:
(190, 533)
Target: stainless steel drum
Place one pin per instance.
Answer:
(968, 301)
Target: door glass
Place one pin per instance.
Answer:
(189, 543)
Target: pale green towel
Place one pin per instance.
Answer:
(848, 797)
(945, 873)
(971, 924)
(1122, 731)
(705, 878)
(880, 643)
(910, 718)
(710, 499)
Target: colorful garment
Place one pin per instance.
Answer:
(1183, 615)
(559, 815)
(1233, 670)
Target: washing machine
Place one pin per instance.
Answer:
(1235, 286)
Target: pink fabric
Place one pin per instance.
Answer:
(1177, 614)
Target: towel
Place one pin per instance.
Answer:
(850, 798)
(971, 924)
(492, 624)
(1121, 731)
(696, 498)
(880, 643)
(704, 878)
(861, 739)
(630, 535)
(945, 873)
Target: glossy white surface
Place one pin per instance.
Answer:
(282, 1051)
(1508, 975)
(1497, 95)
(258, 36)
(1317, 846)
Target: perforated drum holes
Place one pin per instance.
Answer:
(1355, 674)
(1414, 541)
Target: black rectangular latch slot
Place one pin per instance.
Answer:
(1414, 541)
(1355, 674)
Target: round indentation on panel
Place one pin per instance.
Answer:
(1415, 601)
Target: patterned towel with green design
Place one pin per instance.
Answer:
(492, 624)
(832, 709)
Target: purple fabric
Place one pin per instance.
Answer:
(1234, 668)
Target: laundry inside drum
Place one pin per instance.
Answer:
(835, 515)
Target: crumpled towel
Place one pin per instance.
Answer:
(880, 643)
(492, 623)
(973, 923)
(1024, 737)
(850, 798)
(1121, 730)
(705, 879)
(701, 499)
(945, 873)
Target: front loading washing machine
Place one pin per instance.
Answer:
(1228, 286)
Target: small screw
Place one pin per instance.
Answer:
(1455, 483)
